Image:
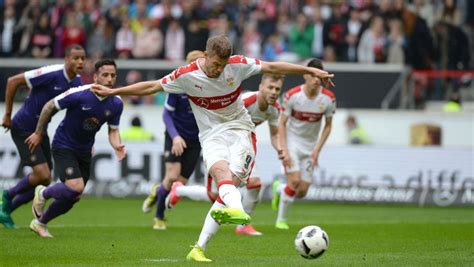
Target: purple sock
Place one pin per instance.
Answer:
(22, 198)
(58, 191)
(161, 194)
(57, 208)
(22, 186)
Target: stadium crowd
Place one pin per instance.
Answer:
(391, 31)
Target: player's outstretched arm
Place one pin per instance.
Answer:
(46, 113)
(283, 68)
(139, 89)
(12, 85)
(114, 139)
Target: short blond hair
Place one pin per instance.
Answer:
(193, 55)
(219, 46)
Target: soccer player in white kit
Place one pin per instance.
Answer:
(303, 108)
(213, 85)
(262, 106)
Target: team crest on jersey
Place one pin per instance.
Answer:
(230, 81)
(321, 106)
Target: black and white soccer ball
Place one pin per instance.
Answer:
(311, 242)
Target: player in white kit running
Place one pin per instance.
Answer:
(303, 108)
(213, 86)
(262, 106)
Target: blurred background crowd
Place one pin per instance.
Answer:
(422, 34)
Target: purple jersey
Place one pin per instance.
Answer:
(45, 83)
(182, 119)
(86, 113)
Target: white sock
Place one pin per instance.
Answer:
(284, 205)
(209, 228)
(280, 188)
(231, 197)
(250, 199)
(194, 192)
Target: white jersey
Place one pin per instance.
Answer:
(216, 102)
(258, 116)
(304, 114)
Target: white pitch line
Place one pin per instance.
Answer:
(161, 260)
(346, 222)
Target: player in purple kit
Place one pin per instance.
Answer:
(73, 141)
(182, 149)
(44, 83)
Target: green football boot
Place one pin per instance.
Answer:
(230, 216)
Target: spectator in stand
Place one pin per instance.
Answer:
(317, 47)
(452, 50)
(334, 30)
(10, 36)
(125, 39)
(166, 8)
(73, 32)
(266, 18)
(195, 36)
(139, 9)
(419, 52)
(449, 13)
(424, 9)
(353, 31)
(42, 38)
(372, 46)
(274, 47)
(301, 37)
(26, 24)
(83, 17)
(329, 54)
(251, 41)
(174, 41)
(101, 42)
(284, 26)
(220, 26)
(148, 35)
(396, 42)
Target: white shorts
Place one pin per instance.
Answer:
(301, 159)
(237, 147)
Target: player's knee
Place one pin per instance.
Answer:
(301, 193)
(42, 176)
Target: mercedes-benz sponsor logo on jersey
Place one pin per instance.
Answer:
(202, 102)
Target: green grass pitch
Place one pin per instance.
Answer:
(114, 232)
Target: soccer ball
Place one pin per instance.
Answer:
(311, 242)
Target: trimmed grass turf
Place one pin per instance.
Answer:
(115, 232)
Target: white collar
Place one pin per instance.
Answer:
(65, 74)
